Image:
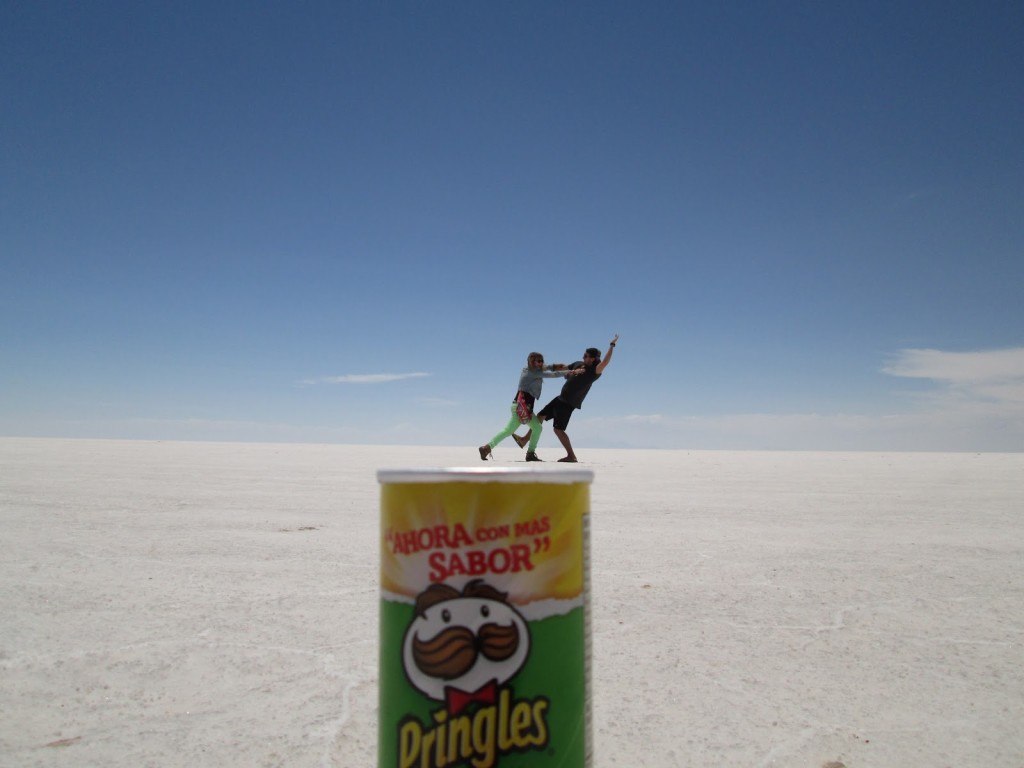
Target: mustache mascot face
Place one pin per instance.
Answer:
(458, 644)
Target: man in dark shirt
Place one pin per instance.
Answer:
(574, 391)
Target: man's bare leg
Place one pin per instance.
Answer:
(563, 438)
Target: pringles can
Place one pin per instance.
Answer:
(485, 618)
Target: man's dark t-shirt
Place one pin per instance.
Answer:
(577, 386)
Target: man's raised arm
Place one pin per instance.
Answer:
(607, 355)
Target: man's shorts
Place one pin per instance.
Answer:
(558, 411)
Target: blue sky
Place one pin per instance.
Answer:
(350, 222)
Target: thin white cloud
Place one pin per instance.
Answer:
(437, 402)
(928, 429)
(986, 376)
(983, 366)
(192, 428)
(642, 418)
(365, 378)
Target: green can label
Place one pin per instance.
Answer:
(484, 628)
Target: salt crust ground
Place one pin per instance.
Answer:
(188, 604)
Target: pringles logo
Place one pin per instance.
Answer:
(462, 648)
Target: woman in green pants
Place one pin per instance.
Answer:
(530, 382)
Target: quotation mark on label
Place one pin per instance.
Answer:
(541, 545)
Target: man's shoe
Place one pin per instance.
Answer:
(485, 451)
(569, 460)
(531, 456)
(520, 441)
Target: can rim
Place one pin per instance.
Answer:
(560, 475)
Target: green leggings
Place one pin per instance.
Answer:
(535, 429)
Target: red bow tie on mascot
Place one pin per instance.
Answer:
(456, 700)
